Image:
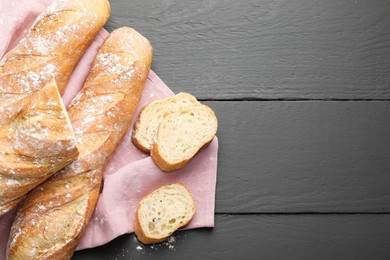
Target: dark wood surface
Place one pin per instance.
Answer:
(229, 49)
(301, 156)
(265, 237)
(301, 89)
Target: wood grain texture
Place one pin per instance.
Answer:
(303, 156)
(267, 49)
(292, 237)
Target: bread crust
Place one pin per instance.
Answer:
(35, 144)
(100, 114)
(50, 49)
(142, 237)
(134, 140)
(164, 165)
(140, 233)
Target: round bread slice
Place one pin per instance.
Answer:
(152, 114)
(181, 135)
(162, 212)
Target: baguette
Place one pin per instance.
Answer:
(35, 144)
(162, 212)
(51, 48)
(52, 219)
(181, 135)
(145, 128)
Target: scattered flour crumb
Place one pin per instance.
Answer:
(12, 182)
(139, 248)
(170, 242)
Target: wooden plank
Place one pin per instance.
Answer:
(303, 156)
(265, 237)
(228, 49)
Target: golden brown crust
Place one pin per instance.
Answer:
(51, 221)
(134, 140)
(140, 146)
(32, 128)
(51, 48)
(166, 166)
(141, 236)
(35, 144)
(162, 163)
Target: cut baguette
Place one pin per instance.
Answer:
(162, 212)
(152, 114)
(50, 49)
(52, 219)
(181, 135)
(34, 144)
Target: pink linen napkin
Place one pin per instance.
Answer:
(130, 174)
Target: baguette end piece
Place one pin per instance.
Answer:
(162, 212)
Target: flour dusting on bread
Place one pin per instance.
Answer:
(100, 114)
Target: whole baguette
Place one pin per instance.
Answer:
(38, 142)
(51, 48)
(53, 217)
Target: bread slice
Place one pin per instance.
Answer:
(152, 114)
(181, 135)
(162, 212)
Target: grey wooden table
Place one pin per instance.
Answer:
(302, 92)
